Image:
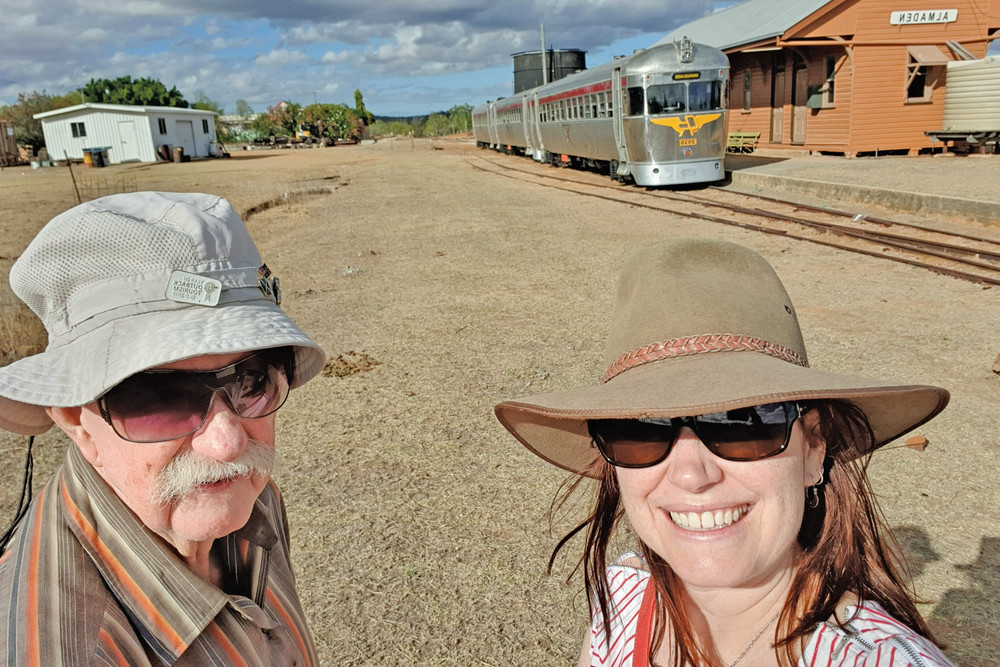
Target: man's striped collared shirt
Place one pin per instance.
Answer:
(84, 582)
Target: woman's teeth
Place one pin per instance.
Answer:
(713, 520)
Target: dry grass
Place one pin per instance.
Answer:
(419, 525)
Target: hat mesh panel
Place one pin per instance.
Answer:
(102, 245)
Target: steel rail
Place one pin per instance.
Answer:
(835, 229)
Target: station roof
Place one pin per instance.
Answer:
(746, 23)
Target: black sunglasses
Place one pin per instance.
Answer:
(159, 405)
(744, 434)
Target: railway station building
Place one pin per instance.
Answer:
(846, 77)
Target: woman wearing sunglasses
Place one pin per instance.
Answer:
(741, 472)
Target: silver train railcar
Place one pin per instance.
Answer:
(657, 117)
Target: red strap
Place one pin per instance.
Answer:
(644, 626)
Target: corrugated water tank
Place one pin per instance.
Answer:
(561, 62)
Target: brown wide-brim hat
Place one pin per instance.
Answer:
(702, 326)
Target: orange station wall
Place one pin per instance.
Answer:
(870, 111)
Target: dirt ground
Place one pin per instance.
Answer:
(420, 527)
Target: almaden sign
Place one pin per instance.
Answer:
(925, 16)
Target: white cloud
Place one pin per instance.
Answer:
(281, 57)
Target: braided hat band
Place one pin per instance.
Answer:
(704, 344)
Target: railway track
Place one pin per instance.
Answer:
(962, 255)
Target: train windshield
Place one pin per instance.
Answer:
(677, 97)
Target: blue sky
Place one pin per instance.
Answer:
(406, 56)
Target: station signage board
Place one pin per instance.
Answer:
(916, 17)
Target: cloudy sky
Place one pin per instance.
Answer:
(408, 57)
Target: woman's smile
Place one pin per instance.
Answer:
(709, 519)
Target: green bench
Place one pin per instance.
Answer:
(742, 142)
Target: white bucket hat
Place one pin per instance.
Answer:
(129, 282)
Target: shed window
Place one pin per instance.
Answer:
(204, 125)
(78, 129)
(162, 124)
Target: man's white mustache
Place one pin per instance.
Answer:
(186, 472)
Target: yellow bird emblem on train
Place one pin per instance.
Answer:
(689, 123)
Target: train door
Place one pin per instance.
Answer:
(778, 98)
(617, 120)
(799, 96)
(536, 127)
(491, 115)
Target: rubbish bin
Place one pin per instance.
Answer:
(88, 159)
(164, 152)
(178, 154)
(96, 158)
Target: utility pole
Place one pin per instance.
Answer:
(545, 65)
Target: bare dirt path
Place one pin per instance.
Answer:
(419, 526)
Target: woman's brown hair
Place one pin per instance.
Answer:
(847, 547)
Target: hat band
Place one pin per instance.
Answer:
(704, 344)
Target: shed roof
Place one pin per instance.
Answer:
(122, 108)
(747, 22)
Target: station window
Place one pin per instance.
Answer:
(746, 89)
(831, 75)
(162, 125)
(923, 65)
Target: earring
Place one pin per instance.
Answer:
(812, 497)
(821, 478)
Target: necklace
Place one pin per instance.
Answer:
(752, 642)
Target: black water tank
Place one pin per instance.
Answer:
(561, 62)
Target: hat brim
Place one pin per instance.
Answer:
(80, 372)
(554, 425)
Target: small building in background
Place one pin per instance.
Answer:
(844, 76)
(127, 133)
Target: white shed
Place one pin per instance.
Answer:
(128, 133)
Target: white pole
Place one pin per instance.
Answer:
(545, 66)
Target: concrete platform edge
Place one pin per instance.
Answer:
(914, 202)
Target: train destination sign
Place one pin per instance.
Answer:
(925, 16)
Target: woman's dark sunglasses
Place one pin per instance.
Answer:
(159, 405)
(746, 434)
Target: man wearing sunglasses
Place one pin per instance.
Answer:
(162, 537)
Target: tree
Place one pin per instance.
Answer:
(436, 125)
(384, 128)
(243, 109)
(460, 118)
(123, 90)
(359, 107)
(27, 130)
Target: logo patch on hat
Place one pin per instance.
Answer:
(186, 287)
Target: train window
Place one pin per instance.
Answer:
(634, 102)
(704, 95)
(666, 98)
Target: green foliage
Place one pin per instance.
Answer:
(359, 106)
(123, 90)
(264, 126)
(454, 121)
(243, 109)
(332, 121)
(391, 127)
(27, 130)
